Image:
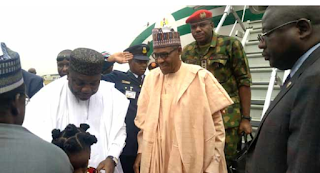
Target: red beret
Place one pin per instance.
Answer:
(199, 16)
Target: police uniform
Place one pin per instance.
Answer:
(225, 58)
(130, 84)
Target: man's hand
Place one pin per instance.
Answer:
(245, 126)
(120, 57)
(136, 165)
(107, 165)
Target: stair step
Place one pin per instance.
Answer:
(258, 92)
(254, 34)
(254, 52)
(259, 83)
(262, 75)
(256, 30)
(259, 67)
(252, 43)
(255, 24)
(254, 55)
(269, 69)
(256, 111)
(255, 124)
(257, 102)
(252, 46)
(257, 60)
(262, 87)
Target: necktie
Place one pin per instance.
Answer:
(286, 81)
(140, 78)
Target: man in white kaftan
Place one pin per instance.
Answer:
(83, 98)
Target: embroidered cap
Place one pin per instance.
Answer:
(199, 15)
(86, 61)
(165, 37)
(10, 70)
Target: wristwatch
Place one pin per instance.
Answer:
(246, 118)
(115, 160)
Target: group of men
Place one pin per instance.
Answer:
(185, 116)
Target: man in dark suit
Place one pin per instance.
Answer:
(32, 82)
(287, 140)
(21, 150)
(129, 83)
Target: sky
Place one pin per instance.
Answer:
(39, 32)
(39, 29)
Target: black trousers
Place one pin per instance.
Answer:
(127, 163)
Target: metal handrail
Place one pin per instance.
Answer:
(234, 26)
(269, 92)
(245, 37)
(225, 14)
(244, 12)
(235, 23)
(238, 19)
(285, 75)
(273, 78)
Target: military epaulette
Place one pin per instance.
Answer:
(125, 82)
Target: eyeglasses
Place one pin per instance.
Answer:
(162, 55)
(261, 36)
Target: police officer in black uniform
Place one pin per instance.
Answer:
(129, 83)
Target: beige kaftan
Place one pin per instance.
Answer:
(165, 130)
(181, 125)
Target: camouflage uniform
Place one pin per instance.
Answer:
(226, 60)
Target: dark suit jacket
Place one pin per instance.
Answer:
(126, 81)
(288, 138)
(33, 83)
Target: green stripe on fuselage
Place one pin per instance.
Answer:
(185, 29)
(180, 14)
(230, 19)
(143, 36)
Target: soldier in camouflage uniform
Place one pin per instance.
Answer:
(225, 58)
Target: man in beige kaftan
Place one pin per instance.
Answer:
(179, 114)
